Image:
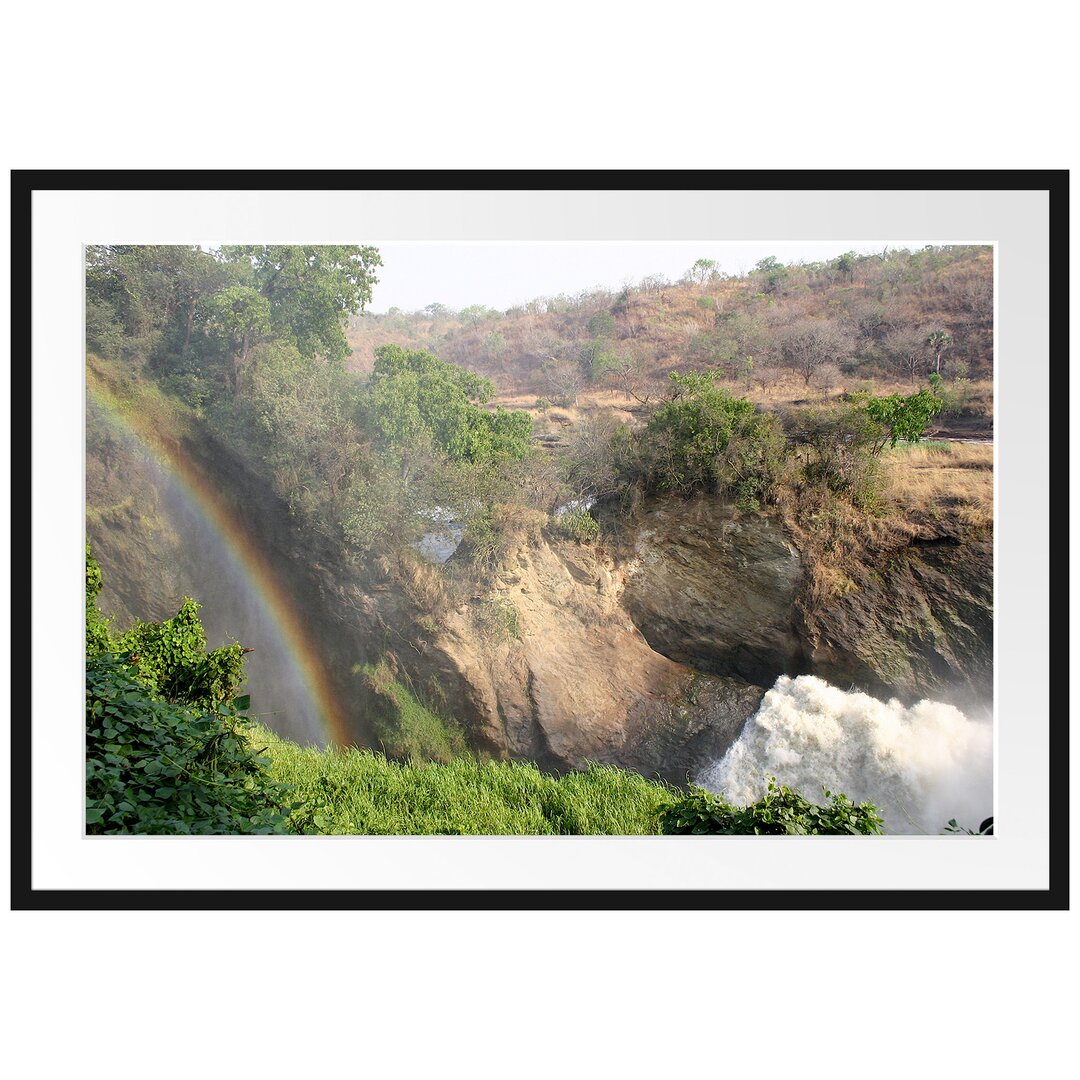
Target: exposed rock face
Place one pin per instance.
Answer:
(715, 589)
(726, 594)
(920, 625)
(575, 681)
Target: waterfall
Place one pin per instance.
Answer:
(921, 766)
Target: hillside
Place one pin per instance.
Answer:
(781, 332)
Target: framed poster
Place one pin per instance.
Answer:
(566, 298)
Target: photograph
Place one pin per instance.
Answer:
(540, 538)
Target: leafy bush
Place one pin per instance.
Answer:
(706, 438)
(156, 767)
(843, 446)
(780, 812)
(578, 524)
(165, 745)
(172, 662)
(98, 638)
(903, 417)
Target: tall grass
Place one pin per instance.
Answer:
(404, 725)
(360, 792)
(944, 480)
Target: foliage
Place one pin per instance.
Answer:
(311, 290)
(702, 270)
(300, 420)
(413, 396)
(903, 417)
(98, 638)
(843, 446)
(407, 729)
(171, 660)
(779, 812)
(359, 792)
(986, 828)
(156, 767)
(165, 744)
(578, 524)
(755, 463)
(602, 325)
(686, 442)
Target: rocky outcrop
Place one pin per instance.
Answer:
(728, 594)
(550, 667)
(714, 589)
(918, 622)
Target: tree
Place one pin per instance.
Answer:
(475, 314)
(811, 344)
(414, 397)
(437, 313)
(565, 380)
(937, 341)
(845, 264)
(908, 349)
(773, 274)
(312, 290)
(602, 325)
(238, 317)
(702, 270)
(903, 417)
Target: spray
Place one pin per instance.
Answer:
(921, 766)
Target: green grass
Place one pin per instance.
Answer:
(358, 791)
(407, 728)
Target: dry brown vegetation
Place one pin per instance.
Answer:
(953, 482)
(871, 312)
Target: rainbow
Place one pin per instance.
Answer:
(188, 481)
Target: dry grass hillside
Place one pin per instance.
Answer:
(872, 317)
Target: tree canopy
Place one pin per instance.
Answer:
(312, 289)
(414, 397)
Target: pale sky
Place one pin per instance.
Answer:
(500, 276)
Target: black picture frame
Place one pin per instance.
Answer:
(26, 706)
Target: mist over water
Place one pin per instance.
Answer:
(231, 611)
(921, 766)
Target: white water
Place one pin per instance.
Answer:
(441, 542)
(920, 766)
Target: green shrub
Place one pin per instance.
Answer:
(780, 812)
(685, 438)
(165, 745)
(407, 729)
(904, 417)
(843, 447)
(172, 661)
(578, 524)
(98, 638)
(157, 767)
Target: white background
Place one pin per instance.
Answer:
(472, 86)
